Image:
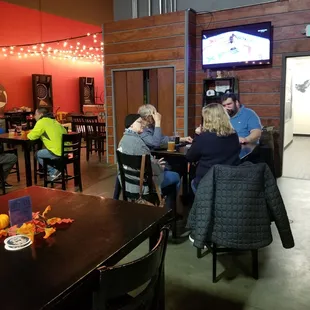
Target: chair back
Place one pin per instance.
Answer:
(71, 146)
(129, 169)
(95, 129)
(13, 119)
(118, 281)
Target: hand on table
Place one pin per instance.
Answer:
(186, 139)
(243, 140)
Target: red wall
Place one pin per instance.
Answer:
(20, 25)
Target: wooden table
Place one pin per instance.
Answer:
(26, 144)
(103, 232)
(177, 159)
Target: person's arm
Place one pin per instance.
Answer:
(255, 129)
(254, 135)
(152, 139)
(36, 132)
(194, 153)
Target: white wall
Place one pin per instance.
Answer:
(289, 123)
(301, 95)
(297, 89)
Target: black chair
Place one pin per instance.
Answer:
(15, 169)
(95, 138)
(116, 283)
(37, 169)
(215, 249)
(2, 180)
(71, 154)
(129, 170)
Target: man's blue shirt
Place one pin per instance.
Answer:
(245, 121)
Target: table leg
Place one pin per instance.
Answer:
(27, 165)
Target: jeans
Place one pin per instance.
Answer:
(170, 178)
(7, 161)
(44, 153)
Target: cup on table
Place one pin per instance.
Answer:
(19, 130)
(171, 146)
(11, 132)
(176, 138)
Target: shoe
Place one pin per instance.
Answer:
(6, 185)
(54, 177)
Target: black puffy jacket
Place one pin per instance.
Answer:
(234, 207)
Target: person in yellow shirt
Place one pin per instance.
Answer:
(50, 132)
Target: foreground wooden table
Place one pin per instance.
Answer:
(104, 231)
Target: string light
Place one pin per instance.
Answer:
(85, 51)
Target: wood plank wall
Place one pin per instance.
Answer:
(260, 88)
(191, 72)
(144, 42)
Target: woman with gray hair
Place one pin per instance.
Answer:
(152, 135)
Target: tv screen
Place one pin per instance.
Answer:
(247, 45)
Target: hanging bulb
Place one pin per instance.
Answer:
(78, 43)
(88, 33)
(5, 55)
(42, 44)
(12, 47)
(65, 43)
(101, 43)
(34, 47)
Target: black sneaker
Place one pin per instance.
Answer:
(6, 185)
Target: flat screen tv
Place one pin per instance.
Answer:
(238, 46)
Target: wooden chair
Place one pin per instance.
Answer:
(71, 154)
(116, 283)
(95, 138)
(129, 170)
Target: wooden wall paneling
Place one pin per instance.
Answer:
(120, 102)
(134, 90)
(153, 90)
(166, 99)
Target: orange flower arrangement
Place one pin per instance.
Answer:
(39, 224)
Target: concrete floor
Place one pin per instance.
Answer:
(284, 282)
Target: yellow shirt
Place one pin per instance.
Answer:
(50, 132)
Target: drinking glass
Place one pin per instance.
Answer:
(176, 138)
(171, 146)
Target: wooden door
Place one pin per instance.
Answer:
(165, 81)
(120, 102)
(153, 88)
(135, 91)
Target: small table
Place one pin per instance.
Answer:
(103, 232)
(26, 144)
(178, 157)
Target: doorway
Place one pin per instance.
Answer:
(132, 88)
(296, 117)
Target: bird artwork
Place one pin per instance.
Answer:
(303, 87)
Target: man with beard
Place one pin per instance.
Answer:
(245, 121)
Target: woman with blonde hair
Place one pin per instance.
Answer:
(218, 143)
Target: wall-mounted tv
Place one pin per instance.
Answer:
(238, 46)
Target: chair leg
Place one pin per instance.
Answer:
(17, 170)
(63, 178)
(214, 258)
(199, 255)
(45, 173)
(87, 150)
(255, 264)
